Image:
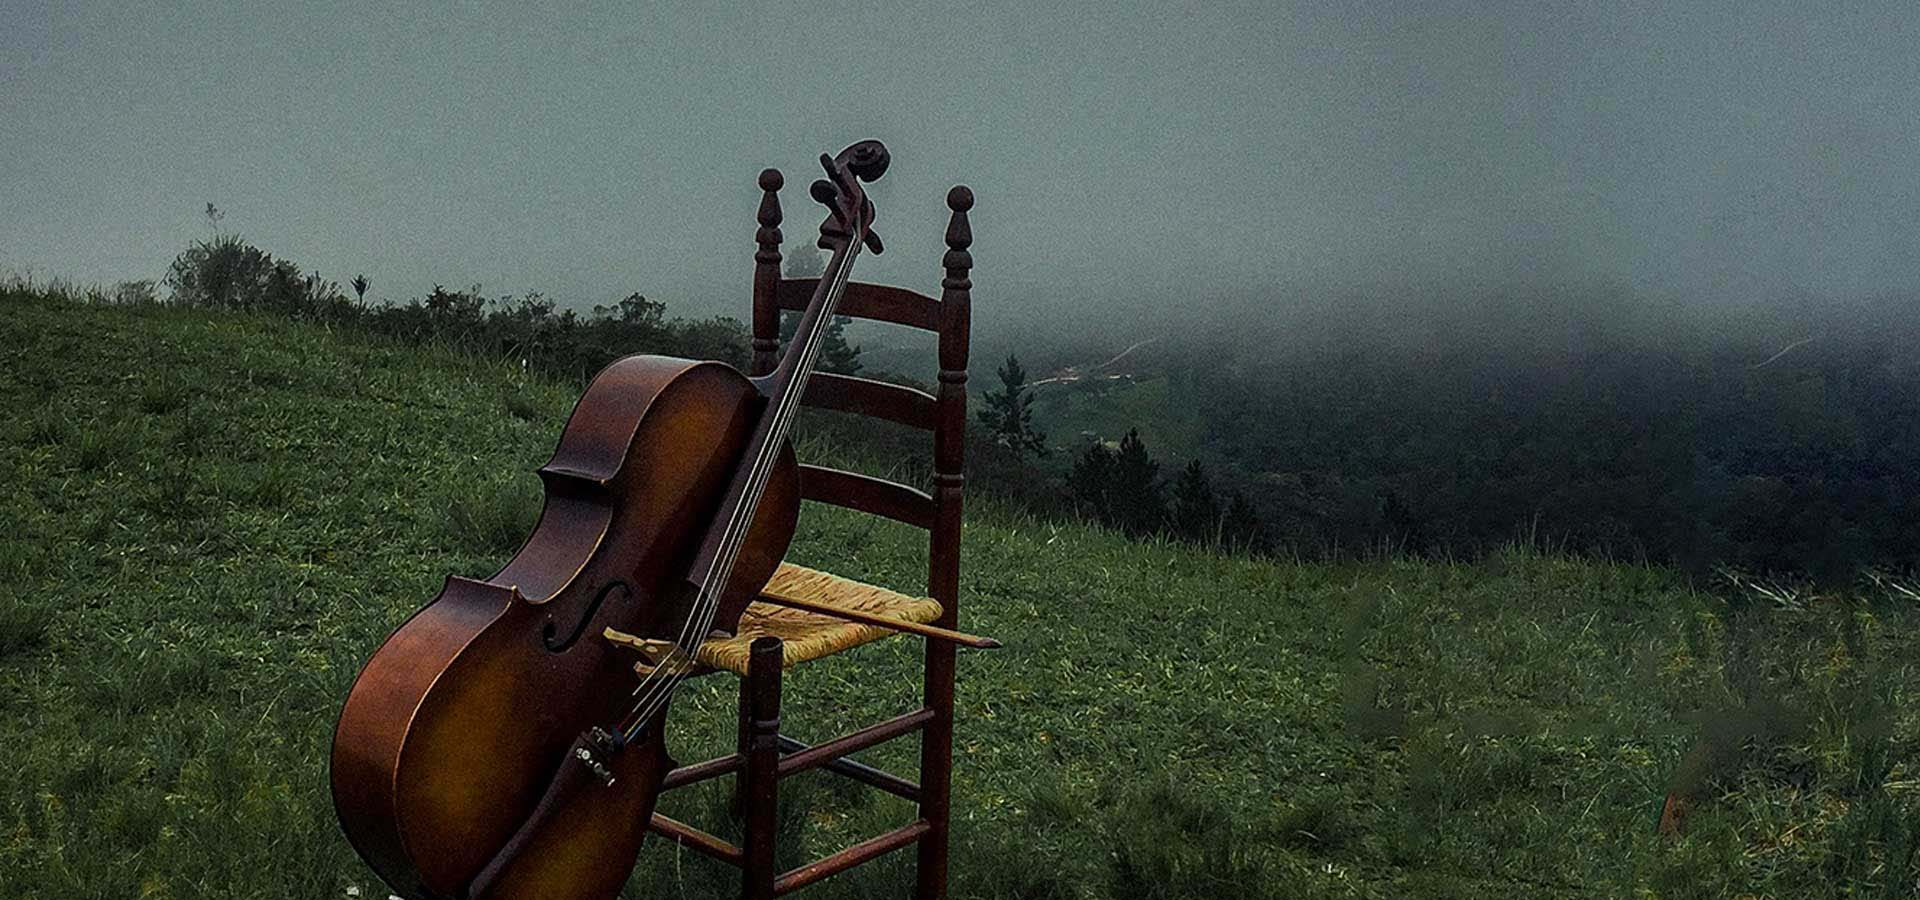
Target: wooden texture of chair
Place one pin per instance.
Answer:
(805, 615)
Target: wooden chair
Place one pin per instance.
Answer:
(805, 615)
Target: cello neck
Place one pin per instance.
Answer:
(713, 564)
(847, 228)
(802, 354)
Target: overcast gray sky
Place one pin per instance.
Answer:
(1126, 156)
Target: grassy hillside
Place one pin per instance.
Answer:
(214, 519)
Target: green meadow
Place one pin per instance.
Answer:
(212, 519)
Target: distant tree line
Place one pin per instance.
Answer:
(1692, 445)
(225, 272)
(1686, 452)
(1121, 486)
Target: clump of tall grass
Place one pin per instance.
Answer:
(22, 286)
(1891, 588)
(521, 406)
(162, 678)
(1169, 844)
(271, 486)
(193, 430)
(100, 442)
(493, 516)
(23, 626)
(162, 396)
(50, 429)
(171, 497)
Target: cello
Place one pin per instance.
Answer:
(496, 746)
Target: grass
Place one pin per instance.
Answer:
(213, 520)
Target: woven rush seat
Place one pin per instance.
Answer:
(809, 635)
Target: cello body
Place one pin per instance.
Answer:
(458, 729)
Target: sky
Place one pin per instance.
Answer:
(1134, 164)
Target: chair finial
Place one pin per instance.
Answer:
(769, 236)
(766, 275)
(959, 237)
(770, 183)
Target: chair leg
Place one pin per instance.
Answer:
(743, 741)
(936, 769)
(762, 746)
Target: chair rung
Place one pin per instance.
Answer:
(694, 839)
(859, 771)
(860, 740)
(850, 857)
(698, 772)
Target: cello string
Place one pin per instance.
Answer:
(707, 605)
(735, 523)
(659, 688)
(738, 525)
(789, 406)
(708, 602)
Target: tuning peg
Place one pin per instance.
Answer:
(873, 243)
(823, 191)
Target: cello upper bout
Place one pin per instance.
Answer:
(619, 459)
(594, 445)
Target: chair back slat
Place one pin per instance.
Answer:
(867, 494)
(908, 406)
(942, 410)
(867, 301)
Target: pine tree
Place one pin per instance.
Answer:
(836, 355)
(1009, 412)
(1196, 512)
(1240, 528)
(1091, 482)
(804, 261)
(1137, 505)
(1398, 523)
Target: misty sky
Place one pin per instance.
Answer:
(1127, 157)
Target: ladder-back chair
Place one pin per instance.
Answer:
(805, 615)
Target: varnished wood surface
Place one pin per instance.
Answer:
(457, 723)
(868, 301)
(694, 839)
(866, 494)
(899, 403)
(877, 845)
